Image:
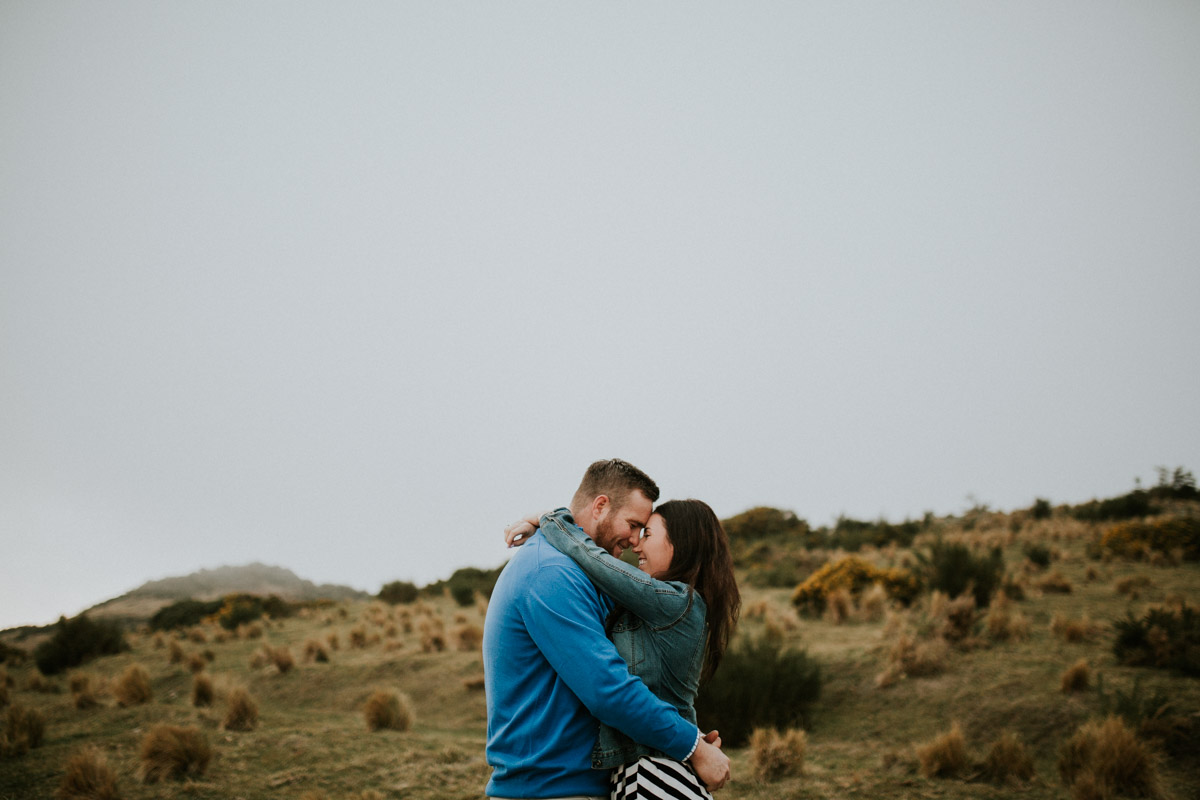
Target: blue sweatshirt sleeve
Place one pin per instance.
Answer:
(659, 603)
(564, 618)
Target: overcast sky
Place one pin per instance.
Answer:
(347, 286)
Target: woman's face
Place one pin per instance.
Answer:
(654, 549)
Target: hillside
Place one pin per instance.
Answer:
(1034, 660)
(209, 584)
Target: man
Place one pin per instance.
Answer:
(550, 672)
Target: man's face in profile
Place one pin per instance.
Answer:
(620, 526)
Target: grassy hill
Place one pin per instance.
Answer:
(209, 584)
(864, 732)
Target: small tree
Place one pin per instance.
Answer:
(78, 640)
(398, 592)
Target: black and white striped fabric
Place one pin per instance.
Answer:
(651, 778)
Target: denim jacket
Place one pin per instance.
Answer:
(660, 632)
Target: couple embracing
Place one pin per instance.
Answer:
(591, 666)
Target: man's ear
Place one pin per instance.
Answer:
(599, 506)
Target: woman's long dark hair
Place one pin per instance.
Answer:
(702, 560)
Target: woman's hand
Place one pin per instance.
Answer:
(711, 765)
(518, 533)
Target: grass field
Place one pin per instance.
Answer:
(312, 738)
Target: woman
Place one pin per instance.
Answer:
(673, 619)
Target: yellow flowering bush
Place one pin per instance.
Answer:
(854, 575)
(1137, 539)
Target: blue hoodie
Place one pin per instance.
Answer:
(550, 673)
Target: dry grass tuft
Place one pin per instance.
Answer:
(958, 618)
(24, 729)
(133, 687)
(3, 694)
(202, 691)
(196, 636)
(37, 682)
(468, 638)
(315, 651)
(358, 637)
(1077, 677)
(1056, 583)
(172, 751)
(1087, 787)
(1106, 758)
(1009, 759)
(1073, 630)
(258, 660)
(473, 684)
(873, 604)
(386, 710)
(938, 600)
(914, 658)
(175, 654)
(432, 642)
(944, 756)
(839, 605)
(281, 657)
(242, 713)
(88, 777)
(196, 663)
(775, 755)
(335, 643)
(83, 691)
(251, 631)
(1133, 585)
(1004, 623)
(159, 641)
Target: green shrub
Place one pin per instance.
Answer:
(398, 592)
(238, 609)
(1163, 637)
(1038, 554)
(1126, 506)
(464, 583)
(954, 568)
(76, 641)
(1041, 509)
(758, 685)
(1135, 706)
(765, 567)
(763, 522)
(184, 614)
(852, 534)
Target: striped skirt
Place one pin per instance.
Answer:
(651, 778)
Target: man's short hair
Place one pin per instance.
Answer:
(616, 479)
